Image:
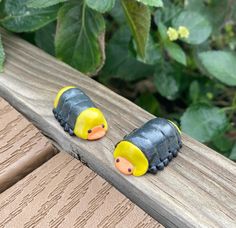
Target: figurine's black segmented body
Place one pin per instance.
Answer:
(159, 140)
(71, 103)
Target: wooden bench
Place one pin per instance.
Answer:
(198, 188)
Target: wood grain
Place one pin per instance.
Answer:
(65, 193)
(22, 147)
(197, 189)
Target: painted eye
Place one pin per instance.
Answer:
(129, 170)
(89, 131)
(117, 160)
(103, 125)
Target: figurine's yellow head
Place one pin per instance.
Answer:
(129, 159)
(90, 124)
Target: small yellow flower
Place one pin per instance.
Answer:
(183, 32)
(172, 34)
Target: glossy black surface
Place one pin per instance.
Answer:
(71, 103)
(159, 140)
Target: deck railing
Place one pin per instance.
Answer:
(197, 189)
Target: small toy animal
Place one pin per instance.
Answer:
(148, 148)
(78, 115)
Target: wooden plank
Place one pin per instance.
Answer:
(196, 189)
(22, 147)
(65, 193)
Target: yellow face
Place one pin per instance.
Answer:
(129, 159)
(91, 124)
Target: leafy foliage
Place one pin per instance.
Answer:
(157, 3)
(138, 17)
(176, 52)
(44, 38)
(175, 58)
(120, 60)
(42, 3)
(173, 49)
(221, 65)
(20, 18)
(101, 5)
(199, 27)
(166, 84)
(79, 37)
(148, 102)
(211, 121)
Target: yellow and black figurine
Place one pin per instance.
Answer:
(78, 115)
(149, 148)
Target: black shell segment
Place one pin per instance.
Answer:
(71, 103)
(159, 140)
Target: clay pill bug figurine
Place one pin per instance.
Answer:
(78, 115)
(148, 148)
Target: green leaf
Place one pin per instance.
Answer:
(221, 65)
(173, 49)
(101, 6)
(223, 144)
(176, 52)
(2, 55)
(217, 11)
(139, 19)
(198, 26)
(156, 3)
(44, 38)
(148, 102)
(163, 32)
(152, 52)
(209, 10)
(168, 12)
(118, 14)
(80, 37)
(166, 82)
(194, 91)
(193, 5)
(203, 122)
(20, 18)
(42, 3)
(120, 62)
(233, 153)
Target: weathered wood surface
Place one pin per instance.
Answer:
(62, 192)
(22, 147)
(197, 189)
(65, 193)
